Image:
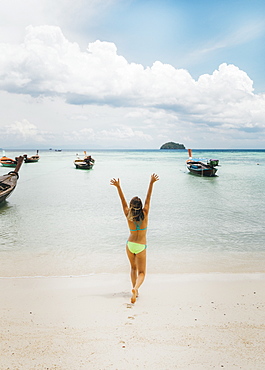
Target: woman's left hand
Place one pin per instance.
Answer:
(115, 182)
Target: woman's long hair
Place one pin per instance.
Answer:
(136, 210)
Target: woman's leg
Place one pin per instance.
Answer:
(138, 268)
(141, 269)
(132, 260)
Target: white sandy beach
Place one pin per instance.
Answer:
(199, 321)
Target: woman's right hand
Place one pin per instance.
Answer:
(154, 178)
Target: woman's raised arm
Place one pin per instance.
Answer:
(154, 178)
(124, 204)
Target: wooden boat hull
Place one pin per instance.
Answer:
(201, 169)
(5, 164)
(7, 187)
(81, 165)
(8, 182)
(31, 160)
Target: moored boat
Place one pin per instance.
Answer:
(8, 182)
(86, 163)
(8, 162)
(32, 159)
(200, 168)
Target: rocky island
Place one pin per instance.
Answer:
(172, 145)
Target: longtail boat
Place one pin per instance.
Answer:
(86, 163)
(32, 159)
(8, 162)
(8, 182)
(200, 168)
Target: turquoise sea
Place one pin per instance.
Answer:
(61, 221)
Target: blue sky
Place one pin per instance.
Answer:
(132, 74)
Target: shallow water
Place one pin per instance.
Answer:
(64, 221)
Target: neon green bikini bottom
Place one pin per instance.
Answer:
(136, 247)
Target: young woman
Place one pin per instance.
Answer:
(137, 218)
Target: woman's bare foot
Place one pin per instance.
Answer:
(134, 295)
